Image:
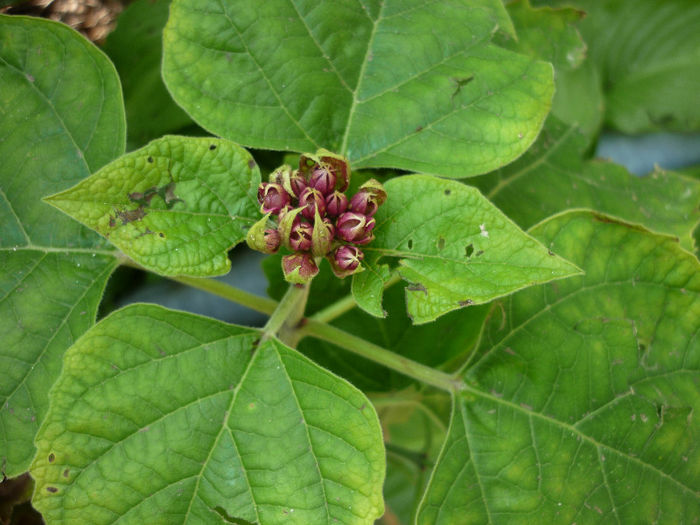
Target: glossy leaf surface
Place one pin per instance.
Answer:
(203, 423)
(456, 249)
(552, 176)
(388, 84)
(175, 206)
(61, 116)
(580, 407)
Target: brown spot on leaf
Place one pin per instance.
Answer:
(212, 147)
(52, 457)
(150, 160)
(128, 216)
(448, 192)
(66, 472)
(417, 287)
(251, 164)
(441, 244)
(468, 302)
(52, 490)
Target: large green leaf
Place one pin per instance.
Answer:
(552, 176)
(389, 84)
(61, 116)
(456, 249)
(165, 417)
(175, 206)
(552, 34)
(581, 406)
(648, 53)
(135, 47)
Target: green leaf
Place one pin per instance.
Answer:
(647, 53)
(61, 116)
(552, 34)
(546, 33)
(456, 249)
(552, 176)
(581, 406)
(175, 206)
(203, 421)
(385, 83)
(135, 47)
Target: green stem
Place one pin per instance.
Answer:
(380, 355)
(289, 311)
(252, 301)
(341, 306)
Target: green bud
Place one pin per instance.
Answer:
(286, 223)
(322, 236)
(261, 238)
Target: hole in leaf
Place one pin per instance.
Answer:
(448, 192)
(469, 250)
(52, 490)
(51, 458)
(65, 473)
(441, 243)
(212, 147)
(150, 159)
(410, 244)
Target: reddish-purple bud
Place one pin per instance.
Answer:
(312, 199)
(272, 197)
(322, 179)
(297, 183)
(272, 241)
(299, 268)
(355, 227)
(300, 237)
(336, 204)
(346, 260)
(362, 202)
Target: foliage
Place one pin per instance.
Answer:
(539, 361)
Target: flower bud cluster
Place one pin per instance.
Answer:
(307, 212)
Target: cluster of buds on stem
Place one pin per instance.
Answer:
(307, 211)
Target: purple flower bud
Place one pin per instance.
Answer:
(346, 260)
(376, 191)
(298, 183)
(362, 202)
(300, 237)
(322, 179)
(299, 268)
(312, 199)
(272, 241)
(336, 204)
(272, 197)
(355, 227)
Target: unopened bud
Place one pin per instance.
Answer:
(311, 200)
(272, 197)
(297, 183)
(263, 239)
(355, 227)
(300, 237)
(376, 191)
(346, 260)
(286, 223)
(322, 179)
(362, 202)
(322, 236)
(337, 164)
(299, 268)
(336, 204)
